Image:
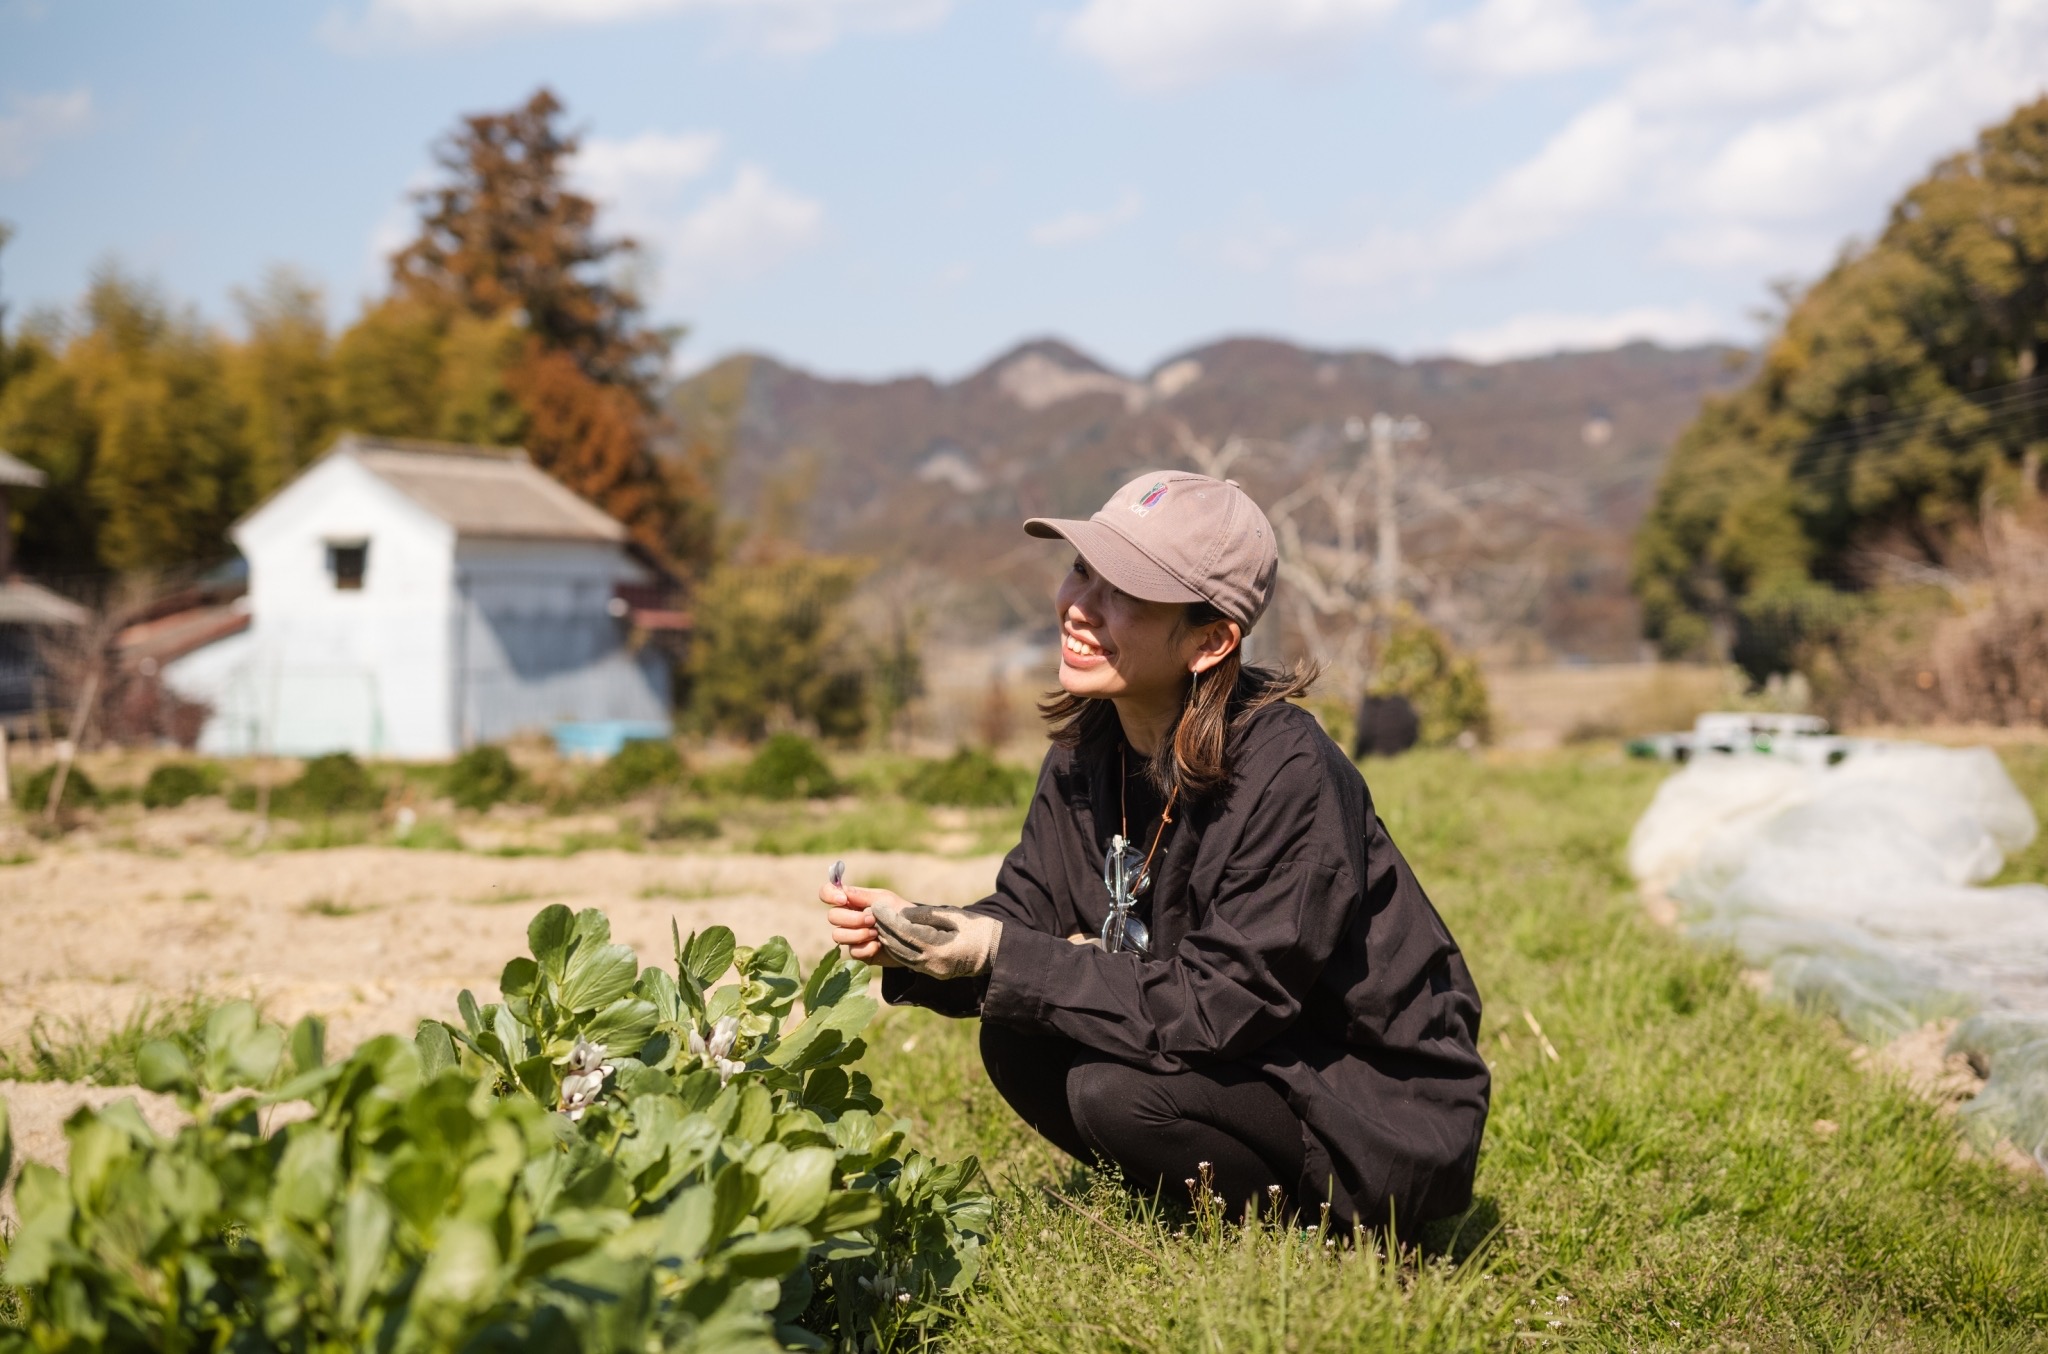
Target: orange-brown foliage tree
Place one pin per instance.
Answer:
(504, 236)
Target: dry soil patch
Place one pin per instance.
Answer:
(375, 938)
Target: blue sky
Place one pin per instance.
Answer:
(870, 187)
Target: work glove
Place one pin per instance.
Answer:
(939, 942)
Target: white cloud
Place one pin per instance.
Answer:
(1169, 44)
(776, 25)
(1075, 226)
(651, 188)
(1521, 37)
(741, 232)
(34, 122)
(1542, 332)
(642, 185)
(651, 166)
(1743, 134)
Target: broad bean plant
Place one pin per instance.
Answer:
(607, 1158)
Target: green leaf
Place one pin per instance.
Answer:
(253, 1059)
(598, 976)
(511, 1034)
(623, 1027)
(833, 961)
(757, 1112)
(847, 1211)
(472, 1020)
(161, 1065)
(808, 1046)
(361, 1243)
(547, 936)
(47, 1214)
(732, 1198)
(308, 1174)
(768, 1255)
(229, 1022)
(240, 1049)
(795, 1187)
(309, 1043)
(824, 1033)
(6, 1145)
(593, 927)
(537, 1076)
(686, 1224)
(437, 1048)
(460, 1273)
(655, 987)
(708, 956)
(519, 980)
(775, 958)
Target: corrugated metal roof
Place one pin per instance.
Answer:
(482, 491)
(25, 603)
(16, 471)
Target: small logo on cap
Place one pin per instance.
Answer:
(1150, 500)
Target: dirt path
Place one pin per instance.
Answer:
(375, 938)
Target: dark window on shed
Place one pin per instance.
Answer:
(347, 560)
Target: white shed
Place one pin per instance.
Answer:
(411, 599)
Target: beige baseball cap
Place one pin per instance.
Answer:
(1172, 536)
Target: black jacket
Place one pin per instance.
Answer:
(1288, 934)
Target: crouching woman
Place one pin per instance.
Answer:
(1206, 948)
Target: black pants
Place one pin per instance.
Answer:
(1155, 1127)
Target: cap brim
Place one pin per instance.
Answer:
(1127, 568)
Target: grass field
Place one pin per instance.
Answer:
(1695, 1168)
(1672, 1163)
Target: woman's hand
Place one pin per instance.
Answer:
(853, 928)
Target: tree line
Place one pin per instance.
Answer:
(506, 320)
(1891, 438)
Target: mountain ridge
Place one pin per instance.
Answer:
(917, 471)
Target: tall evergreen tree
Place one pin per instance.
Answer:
(505, 237)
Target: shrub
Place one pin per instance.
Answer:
(675, 825)
(612, 1158)
(788, 766)
(430, 834)
(483, 776)
(172, 783)
(79, 791)
(969, 778)
(334, 783)
(775, 641)
(1446, 690)
(639, 766)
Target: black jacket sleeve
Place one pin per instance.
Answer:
(1256, 945)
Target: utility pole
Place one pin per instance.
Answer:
(1387, 431)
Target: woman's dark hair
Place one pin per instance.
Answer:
(1197, 756)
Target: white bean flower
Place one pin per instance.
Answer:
(584, 1081)
(717, 1050)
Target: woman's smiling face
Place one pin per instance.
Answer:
(1114, 644)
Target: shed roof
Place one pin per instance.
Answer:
(18, 472)
(26, 603)
(482, 491)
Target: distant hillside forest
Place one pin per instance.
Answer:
(1867, 506)
(1517, 511)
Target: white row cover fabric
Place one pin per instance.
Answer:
(1858, 885)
